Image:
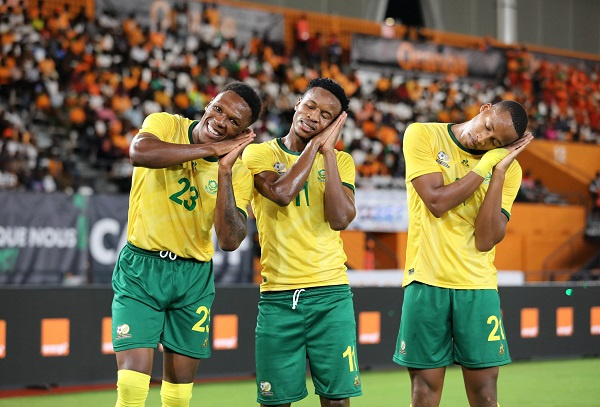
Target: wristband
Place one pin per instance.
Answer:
(489, 161)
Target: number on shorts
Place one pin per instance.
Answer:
(351, 355)
(497, 324)
(200, 326)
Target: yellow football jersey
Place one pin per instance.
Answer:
(173, 208)
(298, 247)
(441, 251)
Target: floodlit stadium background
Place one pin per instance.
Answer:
(77, 78)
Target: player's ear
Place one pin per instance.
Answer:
(485, 107)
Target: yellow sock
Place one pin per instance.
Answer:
(132, 388)
(176, 395)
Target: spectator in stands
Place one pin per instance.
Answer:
(594, 189)
(461, 183)
(175, 171)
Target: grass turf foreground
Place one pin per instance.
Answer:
(557, 383)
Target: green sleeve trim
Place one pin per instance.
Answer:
(350, 186)
(243, 212)
(505, 212)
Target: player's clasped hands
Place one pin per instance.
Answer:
(514, 150)
(241, 141)
(223, 147)
(329, 137)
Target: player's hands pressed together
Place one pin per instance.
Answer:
(515, 149)
(332, 133)
(228, 158)
(223, 147)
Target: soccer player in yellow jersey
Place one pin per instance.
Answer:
(188, 176)
(461, 181)
(303, 197)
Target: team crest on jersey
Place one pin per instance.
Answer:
(501, 352)
(123, 331)
(265, 389)
(321, 175)
(211, 187)
(443, 159)
(280, 168)
(402, 348)
(356, 381)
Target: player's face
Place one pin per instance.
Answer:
(490, 129)
(314, 112)
(226, 116)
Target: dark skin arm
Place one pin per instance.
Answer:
(490, 225)
(147, 150)
(339, 199)
(230, 224)
(283, 189)
(440, 198)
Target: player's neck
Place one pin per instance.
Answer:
(294, 143)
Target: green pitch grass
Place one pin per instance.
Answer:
(573, 383)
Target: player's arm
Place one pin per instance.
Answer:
(490, 225)
(230, 223)
(283, 189)
(440, 198)
(147, 150)
(339, 199)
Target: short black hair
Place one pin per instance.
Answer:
(250, 97)
(333, 87)
(517, 114)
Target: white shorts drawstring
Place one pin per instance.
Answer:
(296, 297)
(164, 253)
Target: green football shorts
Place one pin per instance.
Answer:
(159, 299)
(316, 323)
(442, 326)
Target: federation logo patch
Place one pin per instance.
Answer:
(501, 352)
(356, 381)
(211, 187)
(265, 389)
(402, 348)
(321, 175)
(280, 168)
(443, 159)
(123, 331)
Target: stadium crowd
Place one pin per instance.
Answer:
(75, 91)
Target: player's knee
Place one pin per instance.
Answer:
(336, 402)
(132, 388)
(176, 395)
